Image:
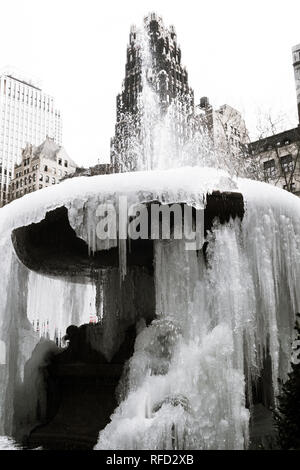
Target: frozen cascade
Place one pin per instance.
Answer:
(54, 304)
(34, 313)
(185, 358)
(28, 297)
(215, 316)
(222, 319)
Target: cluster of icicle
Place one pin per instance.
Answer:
(34, 313)
(185, 386)
(54, 304)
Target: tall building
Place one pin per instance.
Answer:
(27, 115)
(165, 73)
(153, 63)
(41, 166)
(296, 65)
(225, 125)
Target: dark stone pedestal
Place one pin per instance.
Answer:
(86, 399)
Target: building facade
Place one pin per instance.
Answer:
(225, 125)
(27, 115)
(41, 166)
(278, 159)
(296, 65)
(277, 156)
(154, 79)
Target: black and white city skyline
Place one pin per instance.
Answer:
(238, 54)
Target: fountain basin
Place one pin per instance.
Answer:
(51, 246)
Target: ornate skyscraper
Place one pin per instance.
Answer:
(155, 81)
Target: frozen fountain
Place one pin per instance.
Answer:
(188, 342)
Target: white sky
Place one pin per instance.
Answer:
(236, 52)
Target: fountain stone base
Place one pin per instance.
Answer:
(81, 388)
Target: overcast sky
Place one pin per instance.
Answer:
(236, 52)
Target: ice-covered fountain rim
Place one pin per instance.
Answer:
(184, 184)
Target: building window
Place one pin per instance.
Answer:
(47, 179)
(66, 163)
(53, 180)
(287, 163)
(41, 178)
(45, 168)
(269, 169)
(292, 187)
(60, 161)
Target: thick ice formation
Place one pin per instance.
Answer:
(188, 371)
(224, 319)
(54, 304)
(31, 302)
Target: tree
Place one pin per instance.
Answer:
(277, 152)
(287, 416)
